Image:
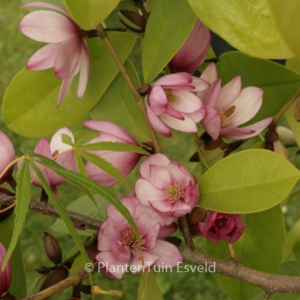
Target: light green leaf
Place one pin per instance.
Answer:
(248, 181)
(23, 195)
(168, 26)
(66, 139)
(29, 104)
(114, 146)
(62, 213)
(291, 239)
(84, 136)
(17, 286)
(106, 167)
(248, 26)
(118, 105)
(253, 250)
(278, 83)
(148, 287)
(90, 13)
(294, 125)
(84, 183)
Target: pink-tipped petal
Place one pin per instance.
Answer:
(174, 113)
(212, 95)
(157, 124)
(46, 5)
(174, 79)
(157, 100)
(236, 133)
(200, 84)
(186, 102)
(198, 115)
(67, 57)
(47, 26)
(247, 104)
(186, 125)
(44, 58)
(160, 176)
(212, 122)
(210, 73)
(84, 70)
(145, 192)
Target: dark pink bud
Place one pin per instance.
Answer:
(5, 276)
(193, 52)
(220, 226)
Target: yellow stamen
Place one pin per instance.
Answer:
(171, 97)
(225, 116)
(174, 192)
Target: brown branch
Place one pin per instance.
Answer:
(271, 283)
(184, 228)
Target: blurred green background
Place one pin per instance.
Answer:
(15, 50)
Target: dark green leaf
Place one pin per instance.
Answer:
(84, 136)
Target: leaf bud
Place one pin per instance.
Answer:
(52, 248)
(132, 20)
(55, 277)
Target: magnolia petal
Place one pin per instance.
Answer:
(120, 250)
(155, 159)
(174, 79)
(198, 115)
(174, 113)
(137, 261)
(200, 84)
(229, 92)
(236, 133)
(130, 202)
(110, 128)
(56, 143)
(84, 70)
(247, 104)
(152, 234)
(157, 100)
(180, 208)
(168, 253)
(157, 124)
(67, 57)
(210, 73)
(164, 206)
(186, 125)
(212, 122)
(7, 151)
(160, 177)
(167, 231)
(186, 102)
(44, 58)
(212, 95)
(146, 192)
(146, 219)
(46, 5)
(182, 179)
(106, 234)
(47, 26)
(99, 176)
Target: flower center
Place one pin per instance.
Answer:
(220, 223)
(225, 116)
(174, 192)
(130, 239)
(170, 96)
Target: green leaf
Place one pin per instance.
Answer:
(88, 14)
(84, 183)
(29, 104)
(114, 146)
(80, 164)
(23, 195)
(66, 139)
(148, 287)
(279, 83)
(291, 239)
(287, 17)
(17, 286)
(248, 181)
(168, 26)
(253, 250)
(80, 206)
(106, 167)
(124, 111)
(294, 125)
(248, 26)
(84, 136)
(62, 213)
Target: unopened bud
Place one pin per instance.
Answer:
(197, 215)
(280, 149)
(132, 20)
(286, 136)
(52, 248)
(54, 277)
(42, 270)
(144, 89)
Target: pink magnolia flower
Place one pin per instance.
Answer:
(119, 246)
(166, 186)
(193, 52)
(7, 155)
(66, 52)
(172, 102)
(5, 276)
(123, 161)
(230, 106)
(55, 147)
(220, 226)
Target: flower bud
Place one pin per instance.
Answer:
(7, 155)
(5, 276)
(193, 52)
(54, 277)
(52, 248)
(132, 20)
(286, 135)
(220, 226)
